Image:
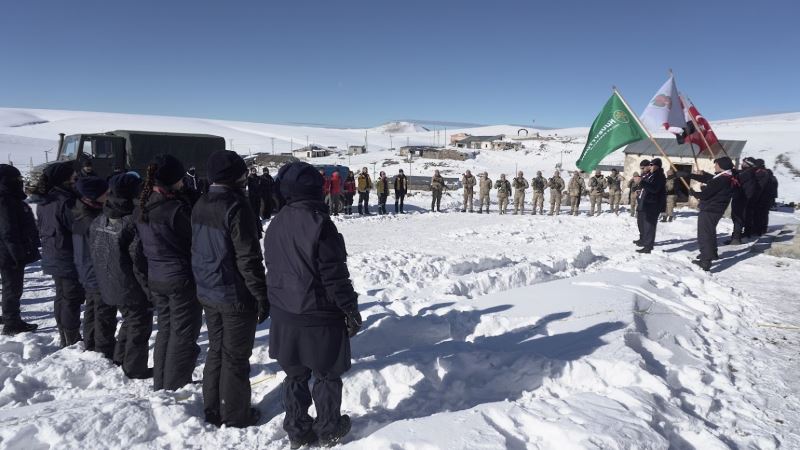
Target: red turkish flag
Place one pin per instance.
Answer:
(704, 127)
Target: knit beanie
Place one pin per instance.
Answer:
(59, 173)
(300, 181)
(125, 185)
(170, 170)
(225, 167)
(724, 162)
(91, 187)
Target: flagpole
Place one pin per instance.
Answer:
(650, 136)
(694, 155)
(703, 136)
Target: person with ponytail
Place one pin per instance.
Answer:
(19, 246)
(163, 223)
(55, 222)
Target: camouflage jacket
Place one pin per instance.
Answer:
(520, 184)
(614, 183)
(437, 183)
(468, 182)
(556, 183)
(576, 186)
(503, 188)
(539, 183)
(597, 185)
(485, 185)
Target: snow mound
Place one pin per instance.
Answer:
(400, 127)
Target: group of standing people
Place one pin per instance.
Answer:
(132, 247)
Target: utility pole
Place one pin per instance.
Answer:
(291, 144)
(47, 155)
(231, 144)
(273, 146)
(390, 141)
(307, 148)
(366, 143)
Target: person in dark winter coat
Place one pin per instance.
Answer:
(231, 286)
(349, 192)
(193, 185)
(651, 203)
(382, 189)
(116, 247)
(313, 306)
(267, 185)
(400, 191)
(714, 200)
(19, 246)
(164, 224)
(254, 194)
(92, 192)
(744, 195)
(768, 192)
(54, 217)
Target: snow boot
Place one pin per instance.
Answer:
(703, 263)
(360, 211)
(336, 437)
(309, 439)
(644, 250)
(638, 242)
(733, 242)
(13, 327)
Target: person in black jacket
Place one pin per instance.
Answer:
(400, 191)
(714, 199)
(19, 246)
(651, 203)
(164, 224)
(313, 306)
(92, 192)
(54, 216)
(231, 286)
(254, 191)
(115, 246)
(768, 192)
(743, 196)
(267, 184)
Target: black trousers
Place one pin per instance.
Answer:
(738, 216)
(226, 377)
(266, 207)
(133, 340)
(13, 281)
(647, 219)
(363, 198)
(382, 203)
(761, 219)
(67, 305)
(180, 317)
(96, 318)
(707, 234)
(327, 397)
(399, 198)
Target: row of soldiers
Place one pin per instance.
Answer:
(575, 188)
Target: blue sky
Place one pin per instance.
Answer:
(361, 63)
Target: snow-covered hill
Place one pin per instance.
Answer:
(26, 133)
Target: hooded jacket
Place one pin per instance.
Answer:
(653, 195)
(83, 215)
(55, 231)
(167, 240)
(19, 237)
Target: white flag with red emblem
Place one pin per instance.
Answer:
(664, 110)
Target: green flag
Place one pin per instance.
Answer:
(614, 127)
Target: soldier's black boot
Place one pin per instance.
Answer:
(341, 431)
(13, 327)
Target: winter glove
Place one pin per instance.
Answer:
(263, 310)
(353, 322)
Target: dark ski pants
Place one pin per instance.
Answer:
(327, 396)
(226, 377)
(399, 199)
(738, 217)
(67, 305)
(648, 221)
(707, 234)
(266, 208)
(133, 340)
(180, 317)
(13, 281)
(761, 219)
(363, 198)
(382, 203)
(99, 324)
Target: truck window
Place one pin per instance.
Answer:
(70, 148)
(103, 148)
(87, 148)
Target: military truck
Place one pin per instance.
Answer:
(125, 150)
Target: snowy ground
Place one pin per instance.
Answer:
(482, 332)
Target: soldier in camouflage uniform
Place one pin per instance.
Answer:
(519, 184)
(672, 196)
(633, 192)
(503, 191)
(539, 184)
(484, 186)
(468, 181)
(437, 186)
(577, 187)
(614, 183)
(556, 185)
(597, 187)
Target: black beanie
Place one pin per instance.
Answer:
(170, 170)
(750, 161)
(656, 162)
(724, 162)
(225, 167)
(91, 187)
(125, 185)
(644, 163)
(8, 171)
(760, 163)
(59, 173)
(300, 181)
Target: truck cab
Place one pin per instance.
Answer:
(106, 151)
